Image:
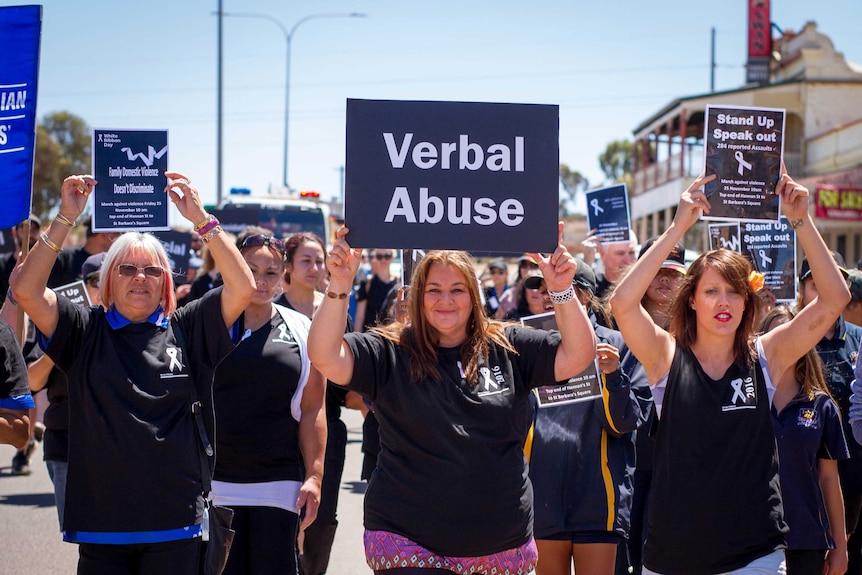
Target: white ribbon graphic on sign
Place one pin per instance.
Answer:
(764, 259)
(172, 353)
(742, 163)
(596, 208)
(736, 384)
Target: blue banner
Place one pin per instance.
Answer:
(20, 31)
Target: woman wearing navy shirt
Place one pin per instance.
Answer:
(811, 440)
(134, 489)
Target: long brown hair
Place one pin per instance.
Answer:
(809, 368)
(735, 270)
(421, 339)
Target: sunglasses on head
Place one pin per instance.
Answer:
(383, 256)
(131, 270)
(258, 240)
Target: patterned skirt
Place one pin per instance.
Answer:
(385, 550)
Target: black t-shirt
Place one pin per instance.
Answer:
(373, 292)
(715, 503)
(451, 474)
(55, 443)
(14, 376)
(257, 437)
(67, 267)
(133, 445)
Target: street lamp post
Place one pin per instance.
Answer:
(288, 38)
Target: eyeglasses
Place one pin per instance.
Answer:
(258, 240)
(383, 256)
(131, 270)
(498, 272)
(93, 281)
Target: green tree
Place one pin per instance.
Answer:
(63, 142)
(572, 182)
(616, 160)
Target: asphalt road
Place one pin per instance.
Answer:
(32, 543)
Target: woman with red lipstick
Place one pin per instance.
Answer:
(451, 491)
(715, 505)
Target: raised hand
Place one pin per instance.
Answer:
(189, 203)
(794, 197)
(693, 203)
(343, 261)
(558, 268)
(74, 195)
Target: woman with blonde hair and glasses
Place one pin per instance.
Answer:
(134, 488)
(715, 504)
(450, 387)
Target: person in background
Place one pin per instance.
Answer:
(270, 429)
(67, 267)
(582, 456)
(305, 253)
(528, 298)
(15, 398)
(9, 260)
(853, 311)
(810, 442)
(372, 292)
(498, 272)
(134, 491)
(838, 350)
(450, 389)
(616, 258)
(208, 277)
(715, 504)
(510, 299)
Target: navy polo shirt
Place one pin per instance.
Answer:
(807, 430)
(838, 355)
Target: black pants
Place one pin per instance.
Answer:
(180, 557)
(265, 542)
(805, 561)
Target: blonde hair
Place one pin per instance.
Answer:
(119, 253)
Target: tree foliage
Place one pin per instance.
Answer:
(572, 182)
(616, 160)
(63, 142)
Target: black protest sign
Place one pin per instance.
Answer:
(177, 245)
(608, 213)
(724, 236)
(409, 260)
(235, 219)
(584, 386)
(76, 292)
(771, 247)
(452, 175)
(129, 166)
(744, 147)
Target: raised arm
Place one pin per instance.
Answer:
(790, 341)
(239, 284)
(30, 279)
(650, 344)
(328, 351)
(577, 338)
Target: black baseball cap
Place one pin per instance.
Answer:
(675, 259)
(585, 278)
(805, 270)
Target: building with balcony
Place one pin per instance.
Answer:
(822, 96)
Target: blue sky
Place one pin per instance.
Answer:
(608, 65)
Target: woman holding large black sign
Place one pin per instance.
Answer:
(450, 389)
(715, 504)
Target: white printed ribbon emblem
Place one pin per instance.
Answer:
(742, 163)
(764, 259)
(736, 384)
(596, 207)
(489, 381)
(172, 353)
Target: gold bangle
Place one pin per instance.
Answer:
(333, 295)
(203, 223)
(50, 243)
(65, 220)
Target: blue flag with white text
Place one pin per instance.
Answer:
(20, 30)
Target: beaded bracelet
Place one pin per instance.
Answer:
(210, 234)
(210, 225)
(560, 297)
(50, 243)
(61, 218)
